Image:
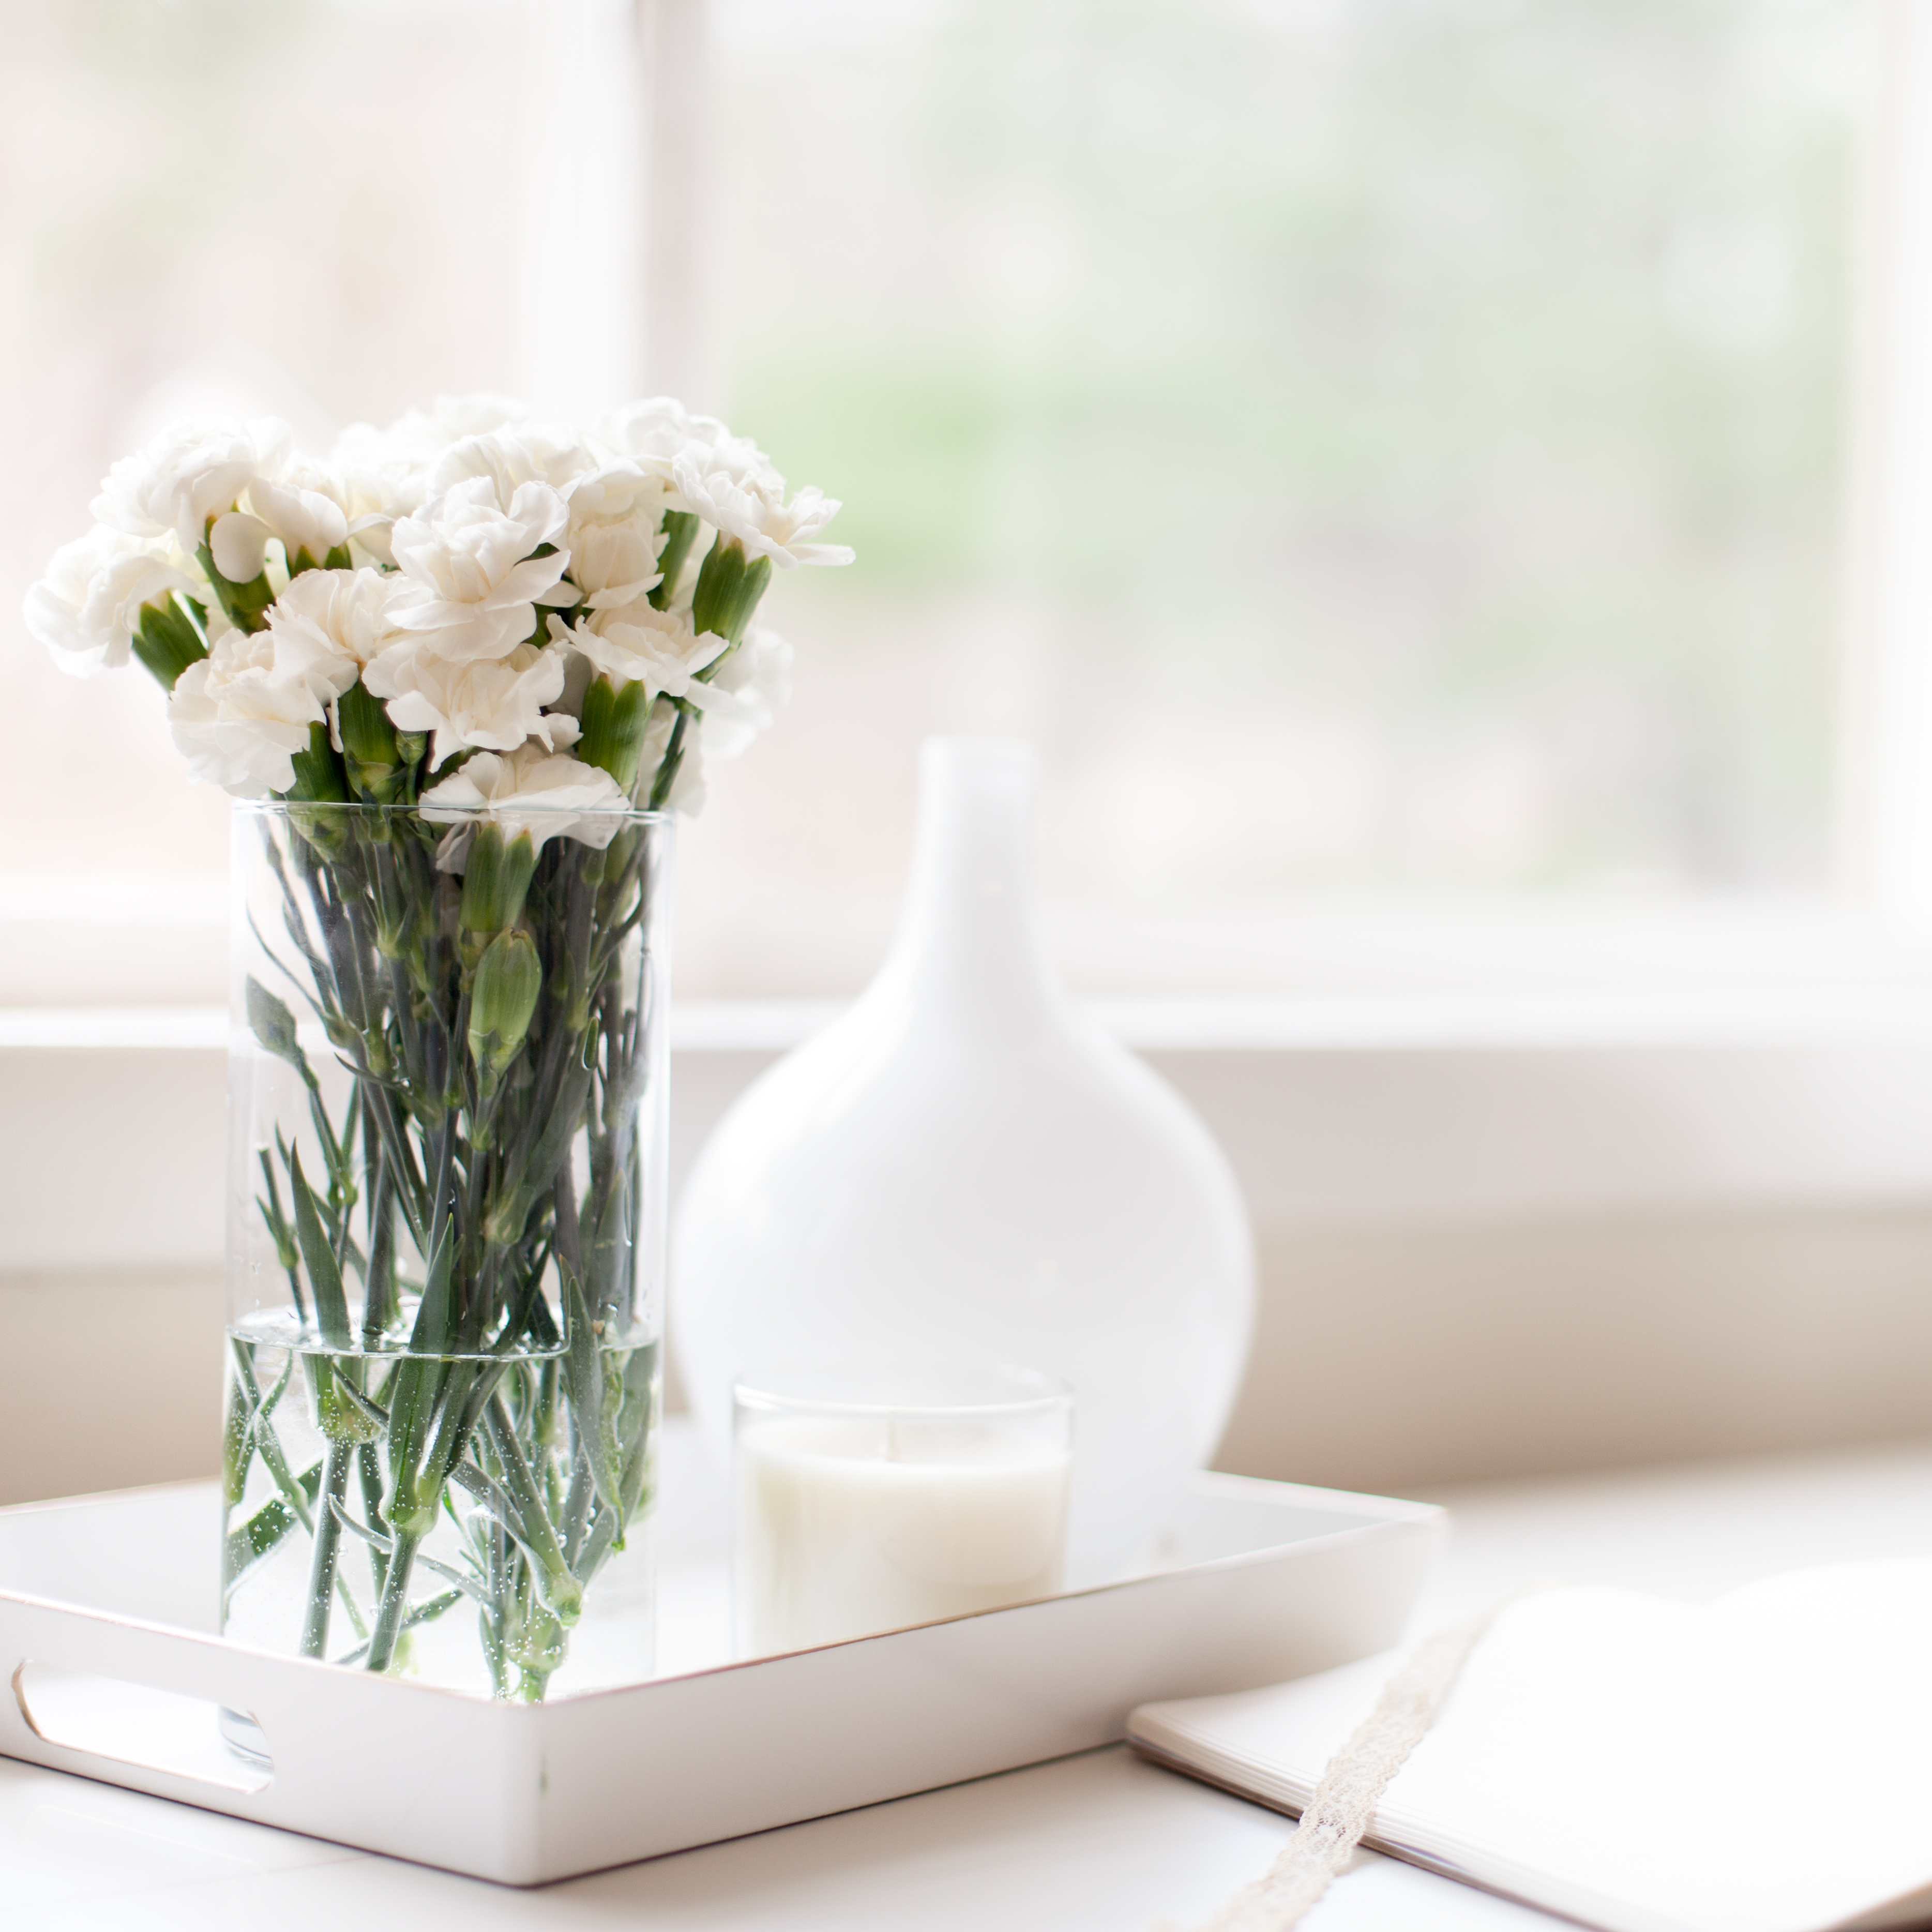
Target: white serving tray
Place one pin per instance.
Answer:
(105, 1636)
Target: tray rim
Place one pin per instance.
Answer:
(538, 1778)
(1386, 1513)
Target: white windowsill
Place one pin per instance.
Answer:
(1772, 1018)
(1458, 1106)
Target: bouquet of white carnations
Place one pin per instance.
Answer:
(462, 670)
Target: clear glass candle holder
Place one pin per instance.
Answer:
(872, 1499)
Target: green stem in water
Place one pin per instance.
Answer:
(395, 1602)
(369, 1465)
(328, 1541)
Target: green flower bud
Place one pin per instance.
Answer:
(614, 720)
(246, 603)
(509, 980)
(370, 751)
(165, 642)
(318, 779)
(497, 875)
(729, 587)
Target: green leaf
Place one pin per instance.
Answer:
(468, 1585)
(271, 1023)
(374, 1411)
(264, 1531)
(435, 1327)
(637, 1434)
(296, 1491)
(423, 1613)
(680, 533)
(667, 765)
(529, 1529)
(242, 1548)
(386, 1544)
(583, 1373)
(417, 1385)
(237, 1442)
(325, 1277)
(561, 1590)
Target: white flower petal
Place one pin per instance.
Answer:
(189, 473)
(239, 543)
(328, 624)
(735, 490)
(493, 703)
(531, 789)
(88, 607)
(237, 722)
(467, 554)
(639, 645)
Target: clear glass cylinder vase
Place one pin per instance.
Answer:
(448, 1107)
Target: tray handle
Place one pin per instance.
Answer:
(125, 1721)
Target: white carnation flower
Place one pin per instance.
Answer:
(494, 703)
(328, 624)
(751, 688)
(303, 512)
(617, 563)
(385, 473)
(638, 645)
(467, 554)
(238, 721)
(88, 608)
(734, 487)
(654, 434)
(189, 473)
(547, 794)
(512, 456)
(424, 434)
(377, 489)
(615, 536)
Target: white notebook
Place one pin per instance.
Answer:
(1763, 1764)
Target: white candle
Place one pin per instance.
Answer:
(847, 1526)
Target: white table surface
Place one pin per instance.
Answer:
(1100, 1842)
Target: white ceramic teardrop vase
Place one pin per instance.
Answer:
(961, 1167)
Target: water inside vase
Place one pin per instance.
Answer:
(527, 1569)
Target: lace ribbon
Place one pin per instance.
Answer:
(1343, 1806)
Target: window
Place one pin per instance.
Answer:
(1389, 450)
(1393, 452)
